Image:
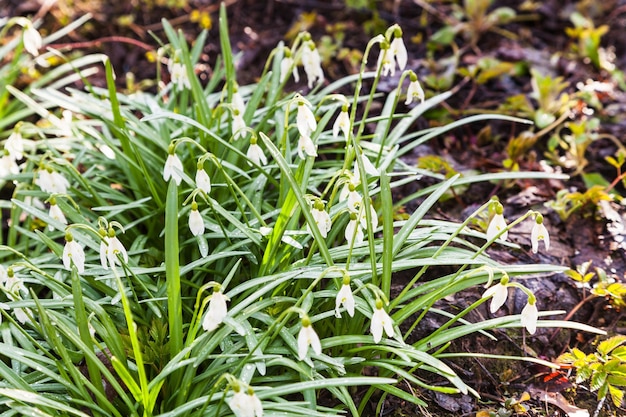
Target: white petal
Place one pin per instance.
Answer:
(499, 293)
(203, 181)
(399, 52)
(306, 337)
(529, 317)
(495, 226)
(173, 169)
(216, 313)
(345, 298)
(196, 223)
(539, 232)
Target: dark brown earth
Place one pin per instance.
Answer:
(595, 233)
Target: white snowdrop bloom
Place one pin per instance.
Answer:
(203, 181)
(255, 154)
(286, 65)
(13, 284)
(8, 166)
(217, 311)
(355, 200)
(238, 125)
(32, 39)
(21, 314)
(369, 167)
(15, 145)
(321, 217)
(173, 168)
(385, 60)
(354, 230)
(196, 223)
(539, 232)
(306, 147)
(415, 91)
(345, 298)
(381, 321)
(110, 247)
(246, 404)
(305, 119)
(529, 317)
(373, 217)
(51, 182)
(499, 292)
(497, 224)
(342, 123)
(73, 253)
(312, 64)
(307, 337)
(178, 75)
(56, 213)
(398, 52)
(237, 102)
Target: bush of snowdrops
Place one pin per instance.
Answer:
(215, 249)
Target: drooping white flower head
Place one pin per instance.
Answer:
(286, 65)
(321, 217)
(306, 147)
(539, 232)
(31, 38)
(8, 166)
(51, 182)
(499, 292)
(305, 119)
(529, 317)
(385, 60)
(178, 74)
(255, 153)
(354, 230)
(381, 321)
(217, 310)
(196, 223)
(173, 166)
(345, 298)
(415, 91)
(12, 283)
(239, 128)
(56, 213)
(237, 101)
(246, 404)
(342, 123)
(203, 181)
(307, 337)
(73, 253)
(497, 224)
(15, 145)
(21, 314)
(110, 247)
(312, 63)
(398, 51)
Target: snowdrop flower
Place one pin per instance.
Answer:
(196, 223)
(237, 101)
(203, 181)
(286, 65)
(369, 167)
(499, 292)
(312, 63)
(529, 316)
(178, 75)
(305, 119)
(32, 39)
(51, 182)
(415, 91)
(246, 404)
(349, 193)
(306, 337)
(56, 213)
(497, 224)
(255, 153)
(373, 217)
(217, 310)
(73, 253)
(8, 166)
(110, 247)
(15, 145)
(539, 232)
(380, 321)
(238, 125)
(321, 217)
(345, 298)
(342, 123)
(12, 283)
(353, 230)
(398, 50)
(21, 314)
(306, 147)
(173, 166)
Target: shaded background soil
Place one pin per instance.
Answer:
(127, 31)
